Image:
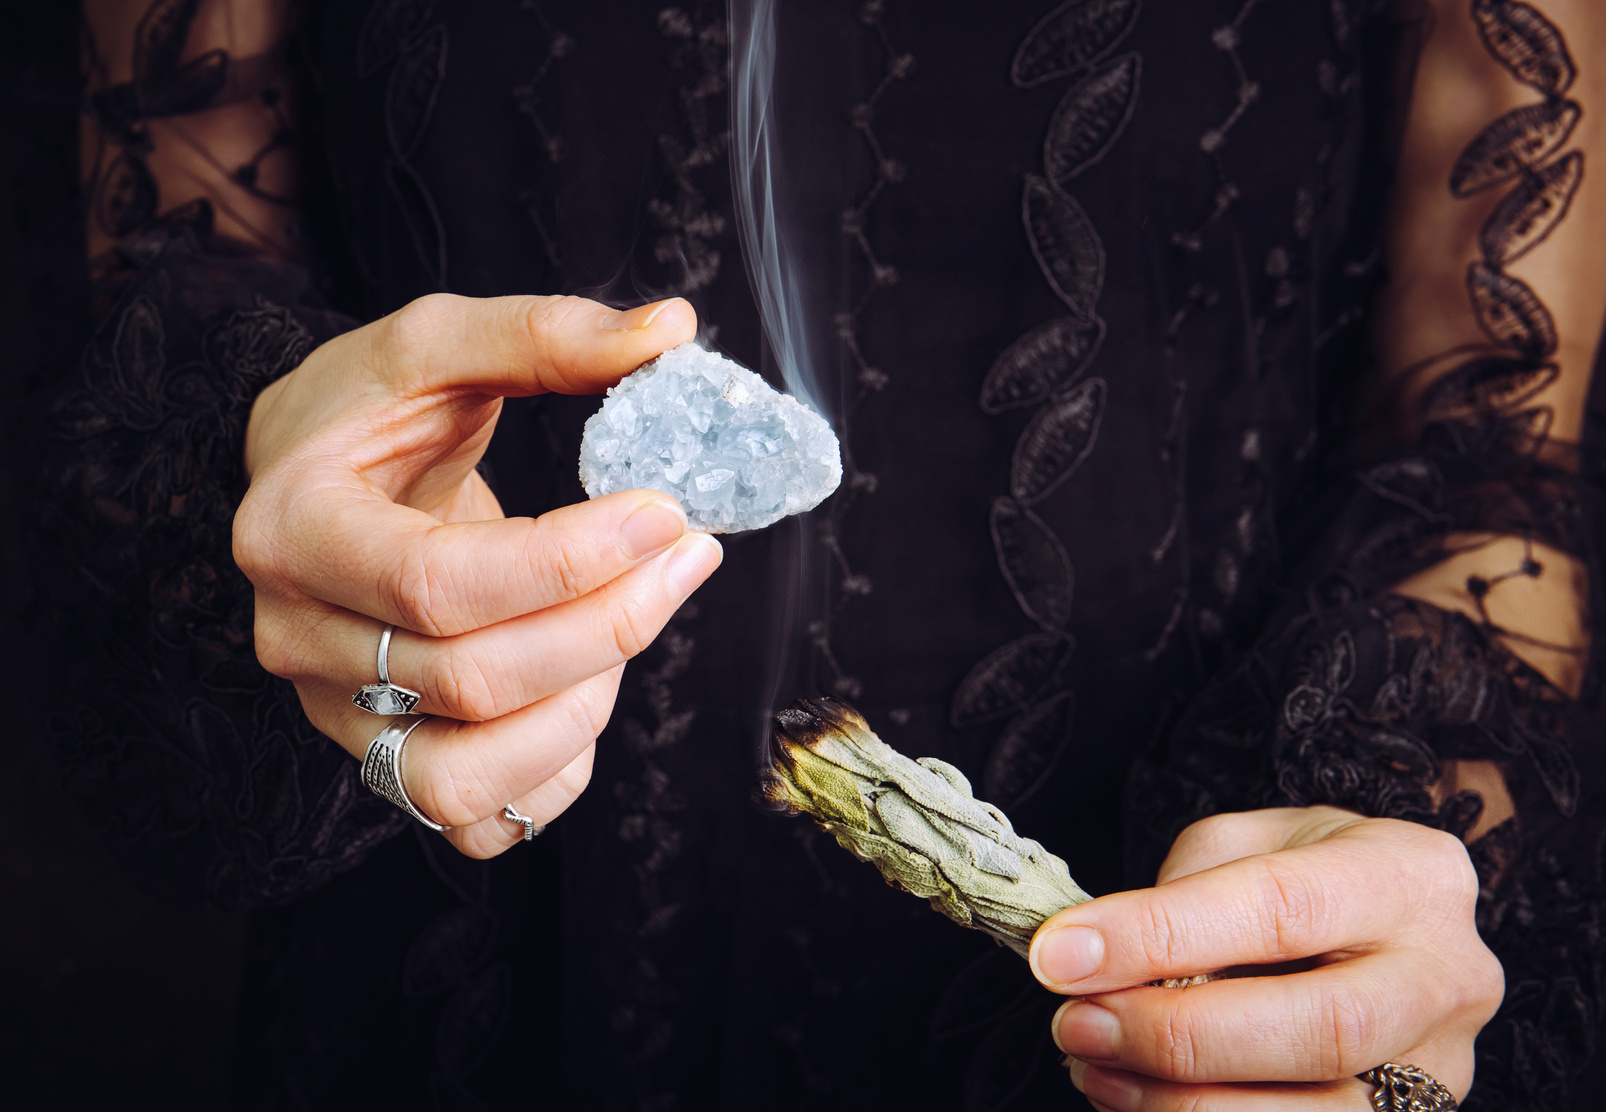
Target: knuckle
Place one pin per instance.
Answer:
(420, 321)
(1157, 936)
(416, 594)
(254, 537)
(1483, 985)
(1177, 1046)
(1207, 832)
(586, 709)
(1450, 854)
(1347, 1031)
(546, 321)
(633, 628)
(247, 539)
(1288, 909)
(1437, 862)
(560, 569)
(461, 687)
(278, 652)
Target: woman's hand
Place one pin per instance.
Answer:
(1378, 912)
(365, 509)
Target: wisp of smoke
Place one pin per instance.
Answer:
(775, 272)
(756, 177)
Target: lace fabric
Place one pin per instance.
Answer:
(1353, 695)
(173, 737)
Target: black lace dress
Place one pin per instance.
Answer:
(1097, 279)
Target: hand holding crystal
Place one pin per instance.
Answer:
(1368, 923)
(365, 510)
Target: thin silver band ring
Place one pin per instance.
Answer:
(531, 828)
(384, 697)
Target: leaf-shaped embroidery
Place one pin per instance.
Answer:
(388, 25)
(1527, 44)
(1413, 482)
(1066, 246)
(410, 94)
(1091, 118)
(423, 221)
(1483, 387)
(1524, 136)
(982, 993)
(1075, 34)
(1048, 357)
(1006, 1059)
(1398, 750)
(159, 39)
(1027, 752)
(1510, 312)
(1525, 218)
(1057, 441)
(1008, 679)
(1034, 563)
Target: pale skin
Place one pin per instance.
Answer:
(365, 509)
(1380, 910)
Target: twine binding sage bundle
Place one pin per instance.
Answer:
(916, 821)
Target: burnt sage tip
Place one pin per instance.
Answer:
(807, 720)
(769, 793)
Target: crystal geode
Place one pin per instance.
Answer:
(737, 453)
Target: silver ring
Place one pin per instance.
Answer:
(381, 766)
(531, 828)
(385, 697)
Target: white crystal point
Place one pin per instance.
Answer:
(737, 453)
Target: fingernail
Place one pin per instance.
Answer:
(1116, 1090)
(631, 320)
(653, 526)
(1086, 1030)
(1078, 1068)
(1065, 955)
(694, 560)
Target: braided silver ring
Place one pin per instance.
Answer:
(1407, 1089)
(531, 827)
(385, 697)
(381, 766)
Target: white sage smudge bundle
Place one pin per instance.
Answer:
(916, 821)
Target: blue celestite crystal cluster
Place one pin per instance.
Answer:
(737, 453)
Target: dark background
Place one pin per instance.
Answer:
(107, 992)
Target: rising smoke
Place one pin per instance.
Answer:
(760, 197)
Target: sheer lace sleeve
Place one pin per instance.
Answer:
(1433, 659)
(179, 744)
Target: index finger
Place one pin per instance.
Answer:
(357, 550)
(1345, 893)
(517, 346)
